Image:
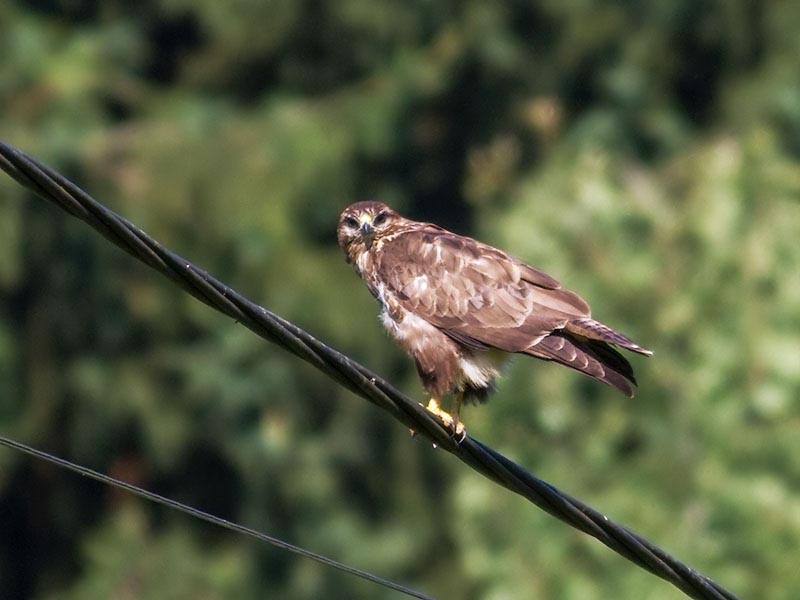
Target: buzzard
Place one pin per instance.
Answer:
(460, 308)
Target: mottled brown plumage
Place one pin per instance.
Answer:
(459, 306)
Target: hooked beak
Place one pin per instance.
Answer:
(367, 233)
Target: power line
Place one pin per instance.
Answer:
(55, 188)
(199, 514)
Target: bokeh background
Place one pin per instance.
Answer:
(645, 153)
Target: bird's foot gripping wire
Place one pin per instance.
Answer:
(448, 420)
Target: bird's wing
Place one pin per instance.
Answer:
(477, 294)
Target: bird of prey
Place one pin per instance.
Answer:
(460, 308)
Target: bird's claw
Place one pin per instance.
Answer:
(453, 424)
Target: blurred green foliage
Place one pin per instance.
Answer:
(646, 154)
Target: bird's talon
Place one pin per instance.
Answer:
(458, 430)
(454, 425)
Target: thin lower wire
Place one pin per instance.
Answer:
(194, 512)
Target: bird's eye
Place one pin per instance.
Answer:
(351, 222)
(380, 219)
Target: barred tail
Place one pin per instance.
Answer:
(594, 330)
(588, 356)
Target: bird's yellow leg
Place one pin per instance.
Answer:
(457, 411)
(449, 420)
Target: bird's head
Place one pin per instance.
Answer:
(361, 224)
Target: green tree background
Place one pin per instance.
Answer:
(645, 153)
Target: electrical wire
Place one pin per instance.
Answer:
(199, 514)
(55, 188)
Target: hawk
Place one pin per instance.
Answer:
(460, 308)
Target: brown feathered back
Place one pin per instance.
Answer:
(473, 291)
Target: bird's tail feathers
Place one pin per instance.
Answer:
(594, 330)
(590, 357)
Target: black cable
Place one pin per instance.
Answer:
(57, 189)
(199, 514)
